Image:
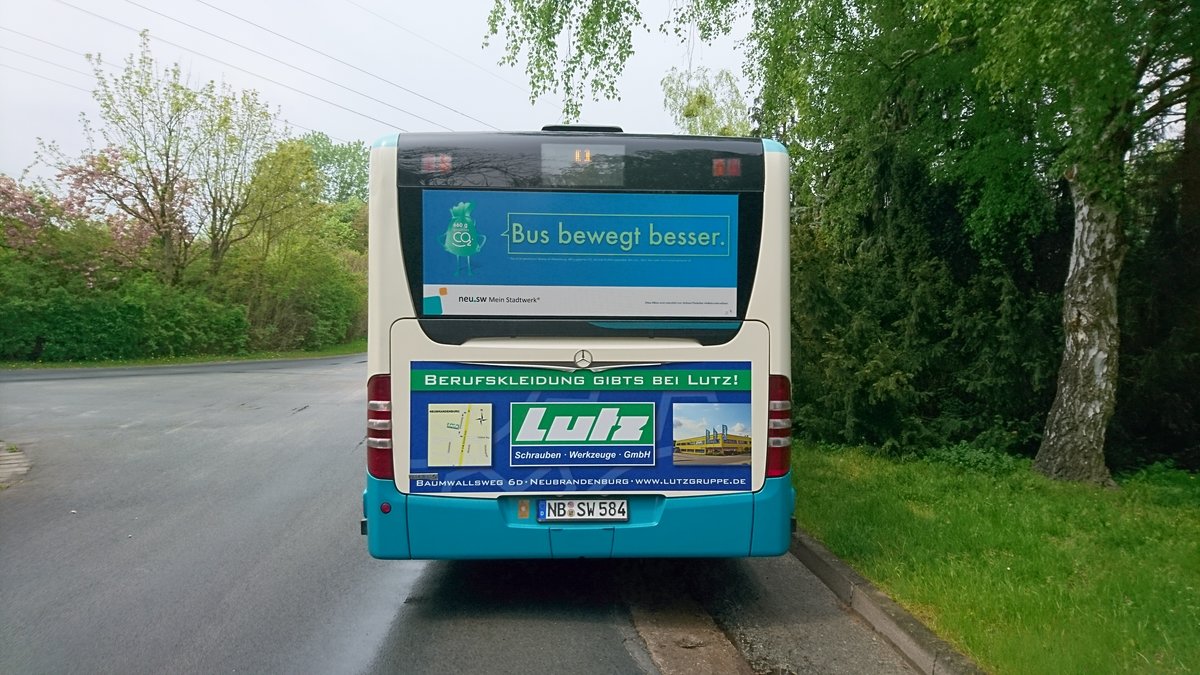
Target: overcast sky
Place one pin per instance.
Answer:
(422, 59)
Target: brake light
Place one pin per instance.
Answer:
(779, 426)
(379, 427)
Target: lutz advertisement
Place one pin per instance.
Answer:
(681, 426)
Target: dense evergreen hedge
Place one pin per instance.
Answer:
(142, 319)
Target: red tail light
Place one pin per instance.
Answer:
(779, 426)
(379, 427)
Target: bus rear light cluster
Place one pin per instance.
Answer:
(779, 426)
(379, 427)
(729, 166)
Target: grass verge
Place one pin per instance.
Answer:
(1023, 574)
(354, 347)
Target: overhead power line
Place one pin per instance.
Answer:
(344, 63)
(44, 77)
(302, 127)
(289, 65)
(451, 52)
(230, 65)
(45, 42)
(71, 51)
(47, 61)
(56, 46)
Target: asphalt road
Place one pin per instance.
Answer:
(205, 519)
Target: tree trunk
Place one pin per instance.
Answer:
(1073, 442)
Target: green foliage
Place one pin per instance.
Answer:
(969, 457)
(1023, 574)
(235, 130)
(141, 168)
(706, 105)
(141, 318)
(1099, 72)
(304, 299)
(343, 165)
(67, 292)
(299, 273)
(1158, 410)
(110, 269)
(600, 38)
(905, 337)
(177, 322)
(301, 297)
(939, 150)
(346, 225)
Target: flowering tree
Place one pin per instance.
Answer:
(57, 235)
(170, 166)
(137, 165)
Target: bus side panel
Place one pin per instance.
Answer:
(386, 298)
(771, 300)
(773, 506)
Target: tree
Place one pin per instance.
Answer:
(286, 194)
(1110, 77)
(1035, 89)
(599, 35)
(704, 104)
(234, 132)
(173, 163)
(299, 285)
(141, 172)
(56, 236)
(344, 166)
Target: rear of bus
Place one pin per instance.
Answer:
(578, 347)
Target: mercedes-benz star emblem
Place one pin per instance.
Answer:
(583, 358)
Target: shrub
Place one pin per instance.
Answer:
(141, 319)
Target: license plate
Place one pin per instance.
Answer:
(555, 510)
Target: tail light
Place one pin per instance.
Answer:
(379, 427)
(779, 426)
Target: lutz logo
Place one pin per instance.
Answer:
(589, 424)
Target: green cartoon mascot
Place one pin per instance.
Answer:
(461, 238)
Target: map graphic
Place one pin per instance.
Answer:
(460, 434)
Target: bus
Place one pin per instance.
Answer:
(554, 318)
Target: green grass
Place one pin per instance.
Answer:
(1023, 574)
(354, 347)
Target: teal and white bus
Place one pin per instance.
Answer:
(578, 346)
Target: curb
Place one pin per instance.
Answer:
(927, 652)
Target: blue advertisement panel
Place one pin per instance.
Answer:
(683, 426)
(537, 253)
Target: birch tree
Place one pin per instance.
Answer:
(1112, 76)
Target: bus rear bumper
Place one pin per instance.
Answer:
(438, 527)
